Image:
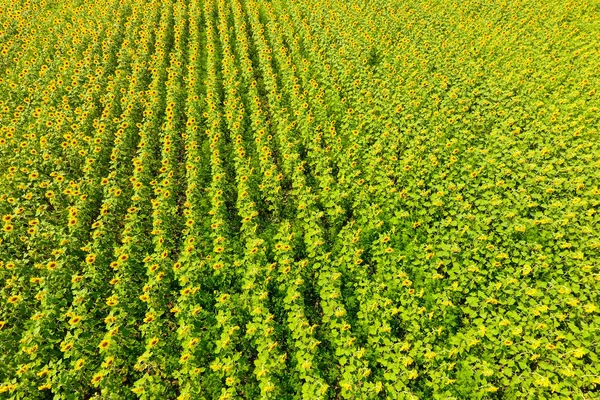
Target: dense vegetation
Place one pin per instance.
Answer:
(282, 199)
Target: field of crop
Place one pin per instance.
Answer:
(299, 199)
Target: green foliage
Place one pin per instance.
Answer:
(285, 199)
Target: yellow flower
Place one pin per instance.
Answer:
(112, 301)
(97, 378)
(64, 347)
(520, 228)
(8, 388)
(580, 352)
(24, 368)
(79, 363)
(217, 266)
(590, 308)
(104, 344)
(223, 298)
(543, 381)
(108, 362)
(572, 302)
(14, 299)
(75, 320)
(43, 373)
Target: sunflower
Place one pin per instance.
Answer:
(149, 318)
(46, 386)
(590, 308)
(43, 373)
(79, 363)
(112, 301)
(108, 362)
(64, 347)
(97, 378)
(217, 266)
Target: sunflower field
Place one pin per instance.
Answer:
(299, 199)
